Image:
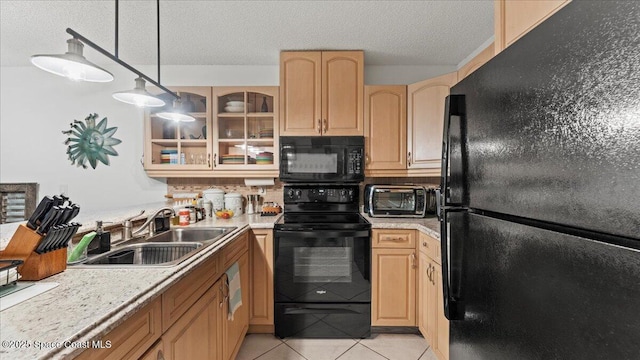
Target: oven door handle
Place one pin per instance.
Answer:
(299, 311)
(323, 233)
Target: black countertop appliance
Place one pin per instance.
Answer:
(540, 218)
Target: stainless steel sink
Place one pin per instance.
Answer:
(146, 254)
(189, 235)
(165, 249)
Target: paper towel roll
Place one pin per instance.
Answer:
(259, 182)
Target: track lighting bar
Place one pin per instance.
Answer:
(104, 52)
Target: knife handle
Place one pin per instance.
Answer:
(52, 216)
(43, 207)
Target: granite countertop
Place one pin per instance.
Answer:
(429, 226)
(88, 303)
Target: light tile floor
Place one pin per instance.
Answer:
(378, 347)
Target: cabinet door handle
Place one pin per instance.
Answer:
(209, 159)
(325, 125)
(160, 355)
(409, 158)
(413, 260)
(215, 160)
(424, 243)
(319, 127)
(366, 158)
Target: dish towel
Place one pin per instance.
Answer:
(235, 293)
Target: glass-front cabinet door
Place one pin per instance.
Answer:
(245, 128)
(180, 145)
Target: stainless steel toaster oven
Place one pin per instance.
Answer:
(398, 201)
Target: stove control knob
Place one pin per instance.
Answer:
(350, 194)
(298, 193)
(290, 193)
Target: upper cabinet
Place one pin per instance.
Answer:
(321, 93)
(425, 118)
(385, 113)
(477, 61)
(514, 18)
(172, 146)
(235, 134)
(246, 128)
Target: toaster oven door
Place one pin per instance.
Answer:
(393, 202)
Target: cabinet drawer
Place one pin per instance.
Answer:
(393, 238)
(133, 337)
(430, 247)
(232, 251)
(179, 297)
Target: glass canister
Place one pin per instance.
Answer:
(233, 201)
(216, 196)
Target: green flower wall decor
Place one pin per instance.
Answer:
(90, 142)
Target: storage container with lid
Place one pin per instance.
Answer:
(216, 196)
(233, 201)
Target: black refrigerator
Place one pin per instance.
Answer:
(540, 203)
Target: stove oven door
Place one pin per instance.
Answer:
(322, 265)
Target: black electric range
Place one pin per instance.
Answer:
(322, 264)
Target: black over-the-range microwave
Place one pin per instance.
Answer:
(322, 159)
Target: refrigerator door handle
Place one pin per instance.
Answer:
(454, 109)
(451, 291)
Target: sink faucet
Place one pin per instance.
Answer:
(127, 226)
(150, 221)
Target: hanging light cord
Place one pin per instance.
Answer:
(116, 42)
(115, 57)
(158, 20)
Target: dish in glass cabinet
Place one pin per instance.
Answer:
(234, 109)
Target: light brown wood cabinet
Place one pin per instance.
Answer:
(156, 352)
(393, 279)
(226, 140)
(190, 319)
(321, 93)
(196, 334)
(166, 140)
(425, 118)
(241, 133)
(514, 18)
(477, 61)
(261, 260)
(234, 330)
(132, 338)
(385, 113)
(432, 323)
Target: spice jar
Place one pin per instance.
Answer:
(184, 217)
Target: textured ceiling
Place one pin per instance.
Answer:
(249, 32)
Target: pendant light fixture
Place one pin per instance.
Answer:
(139, 96)
(176, 113)
(73, 65)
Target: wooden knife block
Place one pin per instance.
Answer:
(36, 266)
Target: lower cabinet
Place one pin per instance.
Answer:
(195, 335)
(234, 329)
(393, 278)
(432, 323)
(190, 320)
(261, 263)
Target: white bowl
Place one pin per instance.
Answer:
(234, 109)
(235, 103)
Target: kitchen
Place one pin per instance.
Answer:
(133, 187)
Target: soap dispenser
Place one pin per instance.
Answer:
(101, 243)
